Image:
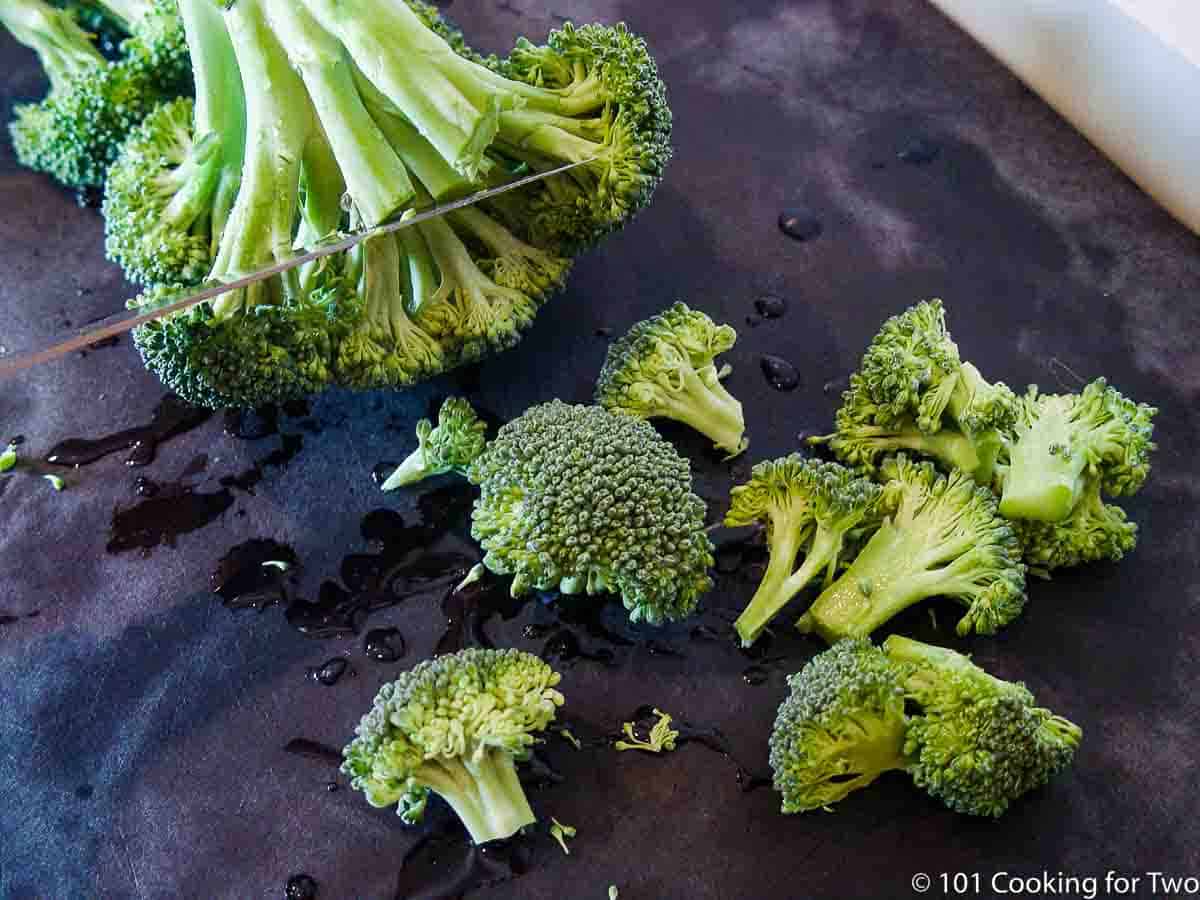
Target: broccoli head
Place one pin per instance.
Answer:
(840, 728)
(456, 725)
(1063, 440)
(1094, 531)
(663, 367)
(576, 498)
(942, 536)
(76, 131)
(458, 438)
(913, 392)
(809, 507)
(974, 741)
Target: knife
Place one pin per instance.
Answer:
(127, 319)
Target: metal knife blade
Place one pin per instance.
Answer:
(128, 319)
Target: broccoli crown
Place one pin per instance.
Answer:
(663, 366)
(577, 498)
(975, 741)
(809, 506)
(454, 725)
(944, 537)
(841, 726)
(1062, 440)
(452, 446)
(1094, 531)
(77, 130)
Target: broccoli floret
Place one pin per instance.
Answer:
(456, 725)
(840, 728)
(943, 537)
(974, 741)
(809, 507)
(76, 131)
(913, 392)
(1063, 440)
(661, 737)
(1094, 531)
(458, 439)
(577, 499)
(663, 367)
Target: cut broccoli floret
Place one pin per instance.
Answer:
(912, 392)
(456, 725)
(943, 537)
(809, 507)
(663, 367)
(93, 105)
(457, 440)
(1063, 440)
(974, 741)
(840, 728)
(1093, 531)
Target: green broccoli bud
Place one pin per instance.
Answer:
(1094, 531)
(663, 367)
(808, 506)
(452, 446)
(976, 742)
(577, 499)
(840, 728)
(456, 725)
(943, 537)
(1062, 440)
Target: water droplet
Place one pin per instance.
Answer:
(755, 675)
(920, 152)
(799, 224)
(332, 787)
(384, 645)
(330, 671)
(84, 791)
(781, 374)
(382, 472)
(770, 306)
(301, 887)
(604, 332)
(753, 320)
(144, 487)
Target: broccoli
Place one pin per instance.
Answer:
(303, 127)
(458, 439)
(661, 737)
(808, 506)
(942, 536)
(456, 725)
(1063, 441)
(974, 741)
(913, 392)
(1093, 531)
(8, 459)
(578, 499)
(562, 833)
(840, 728)
(663, 367)
(75, 132)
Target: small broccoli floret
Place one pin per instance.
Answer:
(809, 507)
(974, 741)
(458, 439)
(456, 725)
(8, 458)
(1094, 531)
(840, 728)
(661, 737)
(663, 367)
(562, 833)
(93, 105)
(944, 537)
(913, 392)
(1062, 440)
(578, 499)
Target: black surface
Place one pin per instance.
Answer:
(143, 723)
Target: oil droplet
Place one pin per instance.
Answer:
(770, 306)
(330, 672)
(780, 373)
(301, 887)
(920, 152)
(800, 225)
(384, 645)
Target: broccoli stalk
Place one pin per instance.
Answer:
(1063, 440)
(945, 538)
(663, 367)
(64, 49)
(452, 446)
(807, 505)
(456, 725)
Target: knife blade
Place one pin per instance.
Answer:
(128, 319)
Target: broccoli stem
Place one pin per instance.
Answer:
(321, 190)
(708, 408)
(412, 470)
(485, 793)
(420, 274)
(889, 575)
(787, 538)
(1045, 479)
(64, 49)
